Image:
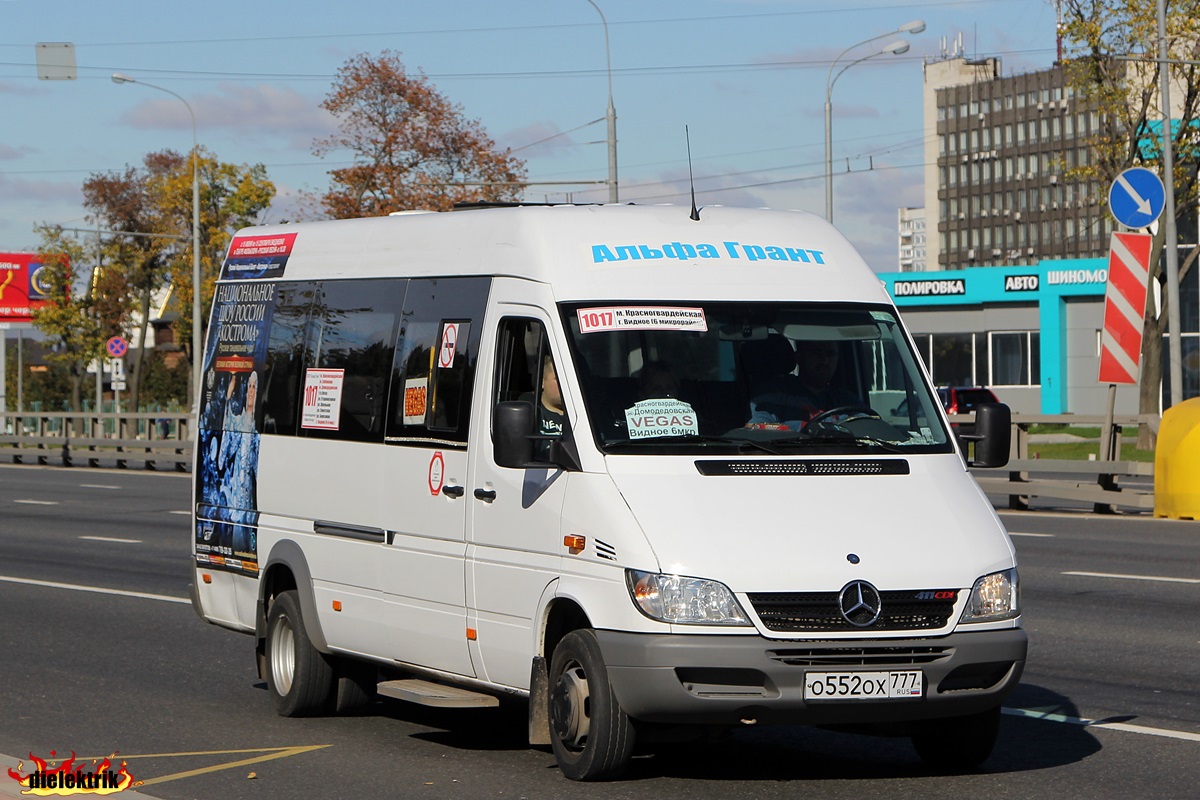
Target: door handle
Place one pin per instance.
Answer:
(453, 491)
(486, 495)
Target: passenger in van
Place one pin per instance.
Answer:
(657, 381)
(551, 415)
(792, 400)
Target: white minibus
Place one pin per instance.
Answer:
(659, 473)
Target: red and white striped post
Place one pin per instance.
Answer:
(1124, 307)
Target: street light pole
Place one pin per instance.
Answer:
(611, 115)
(197, 356)
(1171, 247)
(895, 48)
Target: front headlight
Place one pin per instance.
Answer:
(684, 601)
(994, 597)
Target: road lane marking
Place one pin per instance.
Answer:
(1049, 716)
(1158, 578)
(96, 589)
(111, 539)
(182, 513)
(97, 486)
(37, 502)
(1033, 535)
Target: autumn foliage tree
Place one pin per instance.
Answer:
(74, 322)
(1112, 47)
(147, 212)
(412, 148)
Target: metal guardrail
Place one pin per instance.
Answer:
(1102, 480)
(151, 440)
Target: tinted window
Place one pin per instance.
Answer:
(284, 371)
(434, 366)
(350, 345)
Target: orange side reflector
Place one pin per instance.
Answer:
(207, 578)
(575, 543)
(337, 605)
(472, 634)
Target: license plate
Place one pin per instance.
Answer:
(863, 685)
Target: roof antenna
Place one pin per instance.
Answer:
(695, 215)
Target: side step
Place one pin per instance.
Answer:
(428, 693)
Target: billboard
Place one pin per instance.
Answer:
(22, 287)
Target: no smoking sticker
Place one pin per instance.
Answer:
(449, 345)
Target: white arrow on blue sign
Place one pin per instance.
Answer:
(1137, 197)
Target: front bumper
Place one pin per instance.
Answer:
(727, 679)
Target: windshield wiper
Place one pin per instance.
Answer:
(856, 441)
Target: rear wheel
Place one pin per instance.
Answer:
(958, 742)
(591, 736)
(299, 676)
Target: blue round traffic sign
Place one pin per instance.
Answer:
(1137, 197)
(116, 347)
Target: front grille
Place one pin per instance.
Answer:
(819, 611)
(859, 656)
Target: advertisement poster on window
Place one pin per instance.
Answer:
(228, 436)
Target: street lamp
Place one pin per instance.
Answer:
(895, 48)
(197, 356)
(611, 115)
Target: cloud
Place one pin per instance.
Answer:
(538, 139)
(18, 89)
(40, 192)
(241, 109)
(13, 153)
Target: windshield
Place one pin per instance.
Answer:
(751, 377)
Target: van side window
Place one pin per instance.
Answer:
(283, 375)
(434, 367)
(526, 371)
(351, 340)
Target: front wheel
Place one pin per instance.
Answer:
(958, 742)
(299, 676)
(591, 736)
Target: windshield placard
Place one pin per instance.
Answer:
(662, 417)
(615, 318)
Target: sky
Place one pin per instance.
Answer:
(746, 79)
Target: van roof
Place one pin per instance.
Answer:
(588, 252)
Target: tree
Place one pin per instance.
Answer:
(1112, 47)
(121, 202)
(151, 209)
(412, 148)
(75, 323)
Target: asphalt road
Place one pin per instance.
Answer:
(1108, 706)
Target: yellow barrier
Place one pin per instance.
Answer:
(1177, 462)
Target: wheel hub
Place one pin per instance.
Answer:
(569, 707)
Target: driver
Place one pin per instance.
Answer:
(792, 400)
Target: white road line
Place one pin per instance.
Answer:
(37, 502)
(1049, 716)
(1158, 578)
(111, 539)
(182, 513)
(97, 486)
(96, 589)
(1032, 535)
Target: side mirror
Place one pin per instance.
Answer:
(511, 445)
(993, 435)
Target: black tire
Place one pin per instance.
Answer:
(959, 742)
(299, 676)
(591, 735)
